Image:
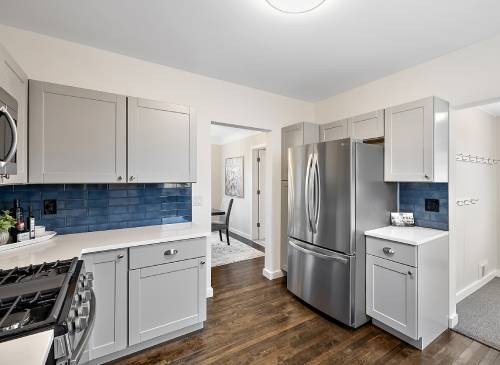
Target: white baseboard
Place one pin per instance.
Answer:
(210, 292)
(240, 233)
(453, 320)
(471, 288)
(271, 275)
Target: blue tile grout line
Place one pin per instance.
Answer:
(98, 207)
(412, 199)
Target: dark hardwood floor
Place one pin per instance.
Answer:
(252, 320)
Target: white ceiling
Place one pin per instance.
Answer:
(493, 108)
(220, 134)
(342, 44)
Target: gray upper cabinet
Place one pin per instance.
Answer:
(14, 81)
(161, 142)
(110, 287)
(296, 135)
(367, 126)
(76, 135)
(416, 141)
(334, 130)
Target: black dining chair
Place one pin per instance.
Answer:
(223, 225)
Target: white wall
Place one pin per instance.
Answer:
(467, 76)
(241, 214)
(216, 176)
(475, 226)
(54, 60)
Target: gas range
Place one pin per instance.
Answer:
(56, 295)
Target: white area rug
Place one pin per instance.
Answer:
(223, 254)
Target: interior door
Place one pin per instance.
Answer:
(299, 173)
(261, 158)
(333, 221)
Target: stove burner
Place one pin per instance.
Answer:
(33, 272)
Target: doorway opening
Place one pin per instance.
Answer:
(474, 212)
(238, 178)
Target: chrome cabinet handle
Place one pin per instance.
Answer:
(389, 251)
(426, 176)
(120, 178)
(132, 178)
(13, 147)
(120, 256)
(202, 262)
(410, 274)
(170, 252)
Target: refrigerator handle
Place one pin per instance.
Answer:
(317, 194)
(318, 254)
(308, 192)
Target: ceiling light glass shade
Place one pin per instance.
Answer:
(295, 6)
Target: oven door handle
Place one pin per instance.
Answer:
(77, 354)
(13, 128)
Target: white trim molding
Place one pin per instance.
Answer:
(210, 292)
(271, 275)
(452, 320)
(471, 288)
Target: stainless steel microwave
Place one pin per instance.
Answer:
(8, 134)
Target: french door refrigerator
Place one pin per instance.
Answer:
(336, 192)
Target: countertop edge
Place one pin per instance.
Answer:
(118, 246)
(406, 241)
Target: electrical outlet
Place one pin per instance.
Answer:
(49, 207)
(197, 201)
(482, 266)
(432, 205)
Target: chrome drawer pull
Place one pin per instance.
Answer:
(170, 252)
(389, 251)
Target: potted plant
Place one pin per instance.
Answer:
(6, 223)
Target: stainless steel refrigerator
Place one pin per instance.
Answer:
(336, 192)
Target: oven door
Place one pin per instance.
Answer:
(8, 134)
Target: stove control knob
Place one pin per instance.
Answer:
(83, 310)
(77, 299)
(85, 296)
(87, 284)
(71, 326)
(73, 313)
(80, 324)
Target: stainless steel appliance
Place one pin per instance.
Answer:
(8, 134)
(56, 296)
(336, 192)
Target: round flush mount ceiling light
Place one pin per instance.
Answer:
(295, 6)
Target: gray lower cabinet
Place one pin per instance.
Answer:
(166, 298)
(110, 270)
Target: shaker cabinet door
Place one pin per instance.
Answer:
(76, 135)
(161, 142)
(334, 131)
(409, 139)
(166, 298)
(110, 287)
(367, 126)
(391, 294)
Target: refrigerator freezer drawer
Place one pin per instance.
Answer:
(322, 279)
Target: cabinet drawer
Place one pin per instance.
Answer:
(161, 253)
(394, 251)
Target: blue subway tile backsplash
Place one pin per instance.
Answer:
(412, 199)
(99, 207)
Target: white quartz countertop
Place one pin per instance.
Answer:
(27, 350)
(408, 235)
(74, 245)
